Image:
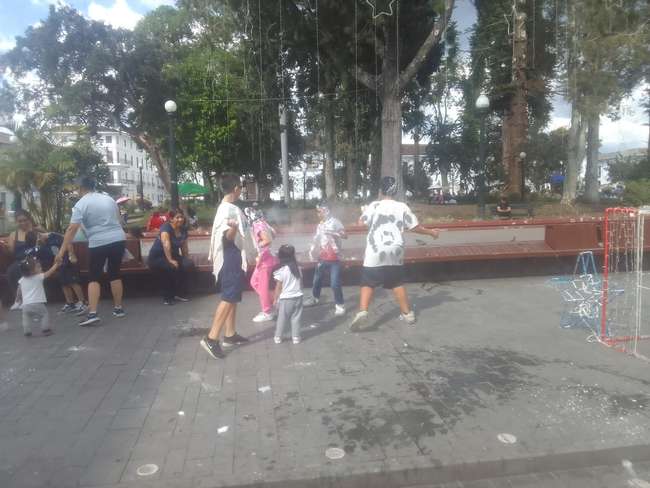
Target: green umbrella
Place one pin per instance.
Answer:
(189, 189)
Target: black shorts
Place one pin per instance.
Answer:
(387, 276)
(112, 253)
(231, 282)
(69, 274)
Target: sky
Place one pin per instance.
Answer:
(631, 131)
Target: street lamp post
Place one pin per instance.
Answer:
(18, 198)
(170, 108)
(522, 159)
(482, 106)
(141, 187)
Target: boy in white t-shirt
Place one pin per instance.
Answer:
(383, 264)
(32, 292)
(288, 294)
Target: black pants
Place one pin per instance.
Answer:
(173, 280)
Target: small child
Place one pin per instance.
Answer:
(288, 294)
(327, 241)
(263, 235)
(32, 292)
(69, 276)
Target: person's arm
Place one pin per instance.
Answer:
(51, 271)
(71, 254)
(418, 229)
(11, 243)
(278, 291)
(265, 239)
(68, 237)
(185, 249)
(167, 248)
(231, 233)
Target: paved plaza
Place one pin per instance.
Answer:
(485, 391)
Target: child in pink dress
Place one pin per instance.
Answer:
(263, 235)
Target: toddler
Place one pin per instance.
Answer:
(32, 293)
(288, 294)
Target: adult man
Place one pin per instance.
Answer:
(100, 217)
(383, 264)
(230, 246)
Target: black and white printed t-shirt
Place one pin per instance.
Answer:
(386, 221)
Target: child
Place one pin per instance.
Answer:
(327, 241)
(229, 246)
(68, 275)
(288, 294)
(263, 235)
(32, 292)
(383, 263)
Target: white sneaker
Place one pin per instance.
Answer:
(310, 302)
(296, 340)
(409, 318)
(17, 306)
(263, 317)
(339, 310)
(360, 321)
(277, 340)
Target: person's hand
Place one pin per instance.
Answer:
(173, 263)
(435, 233)
(232, 223)
(73, 259)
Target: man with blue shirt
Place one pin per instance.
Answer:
(100, 217)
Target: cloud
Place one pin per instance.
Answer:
(157, 3)
(7, 43)
(46, 3)
(120, 14)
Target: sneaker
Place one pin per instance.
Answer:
(47, 332)
(181, 299)
(167, 301)
(339, 310)
(17, 306)
(295, 340)
(277, 340)
(310, 302)
(80, 309)
(119, 312)
(212, 348)
(409, 318)
(234, 340)
(263, 317)
(360, 321)
(92, 319)
(67, 308)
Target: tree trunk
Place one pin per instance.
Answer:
(351, 177)
(574, 157)
(330, 177)
(421, 180)
(153, 149)
(444, 177)
(592, 183)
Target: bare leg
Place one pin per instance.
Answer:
(93, 296)
(402, 299)
(68, 294)
(117, 290)
(220, 316)
(365, 298)
(78, 291)
(230, 321)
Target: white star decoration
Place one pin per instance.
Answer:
(385, 10)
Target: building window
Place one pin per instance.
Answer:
(131, 160)
(109, 139)
(124, 142)
(109, 157)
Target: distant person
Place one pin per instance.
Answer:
(155, 222)
(192, 220)
(100, 218)
(32, 294)
(383, 264)
(265, 262)
(288, 295)
(229, 245)
(169, 259)
(504, 211)
(327, 243)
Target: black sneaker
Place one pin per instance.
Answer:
(91, 319)
(212, 347)
(67, 308)
(47, 332)
(27, 334)
(234, 340)
(119, 312)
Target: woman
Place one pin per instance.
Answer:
(503, 208)
(169, 258)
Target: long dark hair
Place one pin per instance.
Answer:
(287, 257)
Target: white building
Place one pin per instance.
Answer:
(125, 160)
(6, 195)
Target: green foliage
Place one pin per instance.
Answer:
(637, 193)
(37, 165)
(546, 154)
(627, 169)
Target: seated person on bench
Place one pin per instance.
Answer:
(503, 208)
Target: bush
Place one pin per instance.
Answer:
(637, 192)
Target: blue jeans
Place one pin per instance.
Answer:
(335, 280)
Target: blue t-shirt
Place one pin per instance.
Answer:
(157, 250)
(100, 217)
